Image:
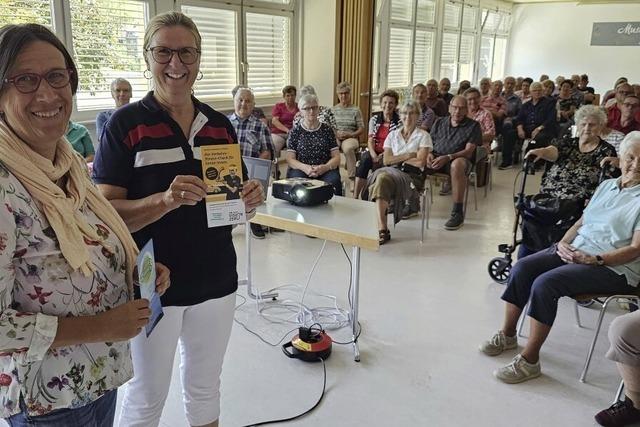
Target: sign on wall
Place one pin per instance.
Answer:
(615, 34)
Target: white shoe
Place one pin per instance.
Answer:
(498, 343)
(519, 370)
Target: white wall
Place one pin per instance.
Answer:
(318, 38)
(555, 39)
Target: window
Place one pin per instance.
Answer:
(268, 48)
(26, 11)
(219, 59)
(244, 43)
(107, 43)
(416, 40)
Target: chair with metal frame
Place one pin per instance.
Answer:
(585, 297)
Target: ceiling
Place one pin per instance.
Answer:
(578, 1)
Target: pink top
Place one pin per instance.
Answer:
(285, 116)
(485, 119)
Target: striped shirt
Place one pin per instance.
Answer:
(348, 119)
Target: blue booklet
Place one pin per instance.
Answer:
(147, 281)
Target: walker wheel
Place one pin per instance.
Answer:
(499, 269)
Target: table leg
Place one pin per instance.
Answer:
(355, 288)
(248, 281)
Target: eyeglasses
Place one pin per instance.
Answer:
(314, 108)
(30, 82)
(163, 55)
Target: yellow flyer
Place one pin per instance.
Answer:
(222, 172)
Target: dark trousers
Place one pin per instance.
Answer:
(510, 139)
(542, 278)
(331, 177)
(365, 165)
(99, 413)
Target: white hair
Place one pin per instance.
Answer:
(246, 90)
(307, 99)
(632, 138)
(307, 90)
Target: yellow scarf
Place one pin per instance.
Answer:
(62, 210)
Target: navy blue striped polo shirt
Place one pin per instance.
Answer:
(142, 149)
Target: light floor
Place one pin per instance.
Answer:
(424, 309)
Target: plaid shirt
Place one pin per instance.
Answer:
(253, 135)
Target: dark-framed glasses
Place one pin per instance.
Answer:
(163, 55)
(30, 82)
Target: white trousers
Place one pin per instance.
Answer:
(203, 332)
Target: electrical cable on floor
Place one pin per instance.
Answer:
(282, 420)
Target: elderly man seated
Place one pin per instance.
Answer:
(121, 92)
(600, 253)
(480, 115)
(253, 135)
(485, 87)
(443, 89)
(350, 126)
(433, 100)
(495, 103)
(455, 139)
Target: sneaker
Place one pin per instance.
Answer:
(446, 188)
(498, 343)
(409, 211)
(519, 370)
(619, 414)
(257, 231)
(455, 221)
(505, 167)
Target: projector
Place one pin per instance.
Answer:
(302, 191)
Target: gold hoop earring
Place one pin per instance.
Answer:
(200, 75)
(147, 76)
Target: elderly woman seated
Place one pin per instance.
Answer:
(625, 351)
(349, 126)
(575, 169)
(312, 151)
(405, 156)
(566, 106)
(600, 253)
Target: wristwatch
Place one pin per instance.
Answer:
(599, 260)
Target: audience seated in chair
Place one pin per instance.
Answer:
(495, 104)
(312, 151)
(432, 99)
(480, 115)
(574, 170)
(600, 253)
(282, 115)
(455, 139)
(484, 86)
(121, 92)
(566, 106)
(443, 89)
(350, 127)
(381, 124)
(611, 93)
(536, 120)
(462, 87)
(427, 116)
(79, 138)
(625, 351)
(624, 118)
(524, 93)
(257, 112)
(253, 135)
(548, 89)
(405, 154)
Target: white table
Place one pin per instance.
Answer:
(343, 220)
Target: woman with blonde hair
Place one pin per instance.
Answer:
(149, 166)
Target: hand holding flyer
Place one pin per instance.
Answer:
(147, 281)
(222, 173)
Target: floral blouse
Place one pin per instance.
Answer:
(37, 286)
(575, 175)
